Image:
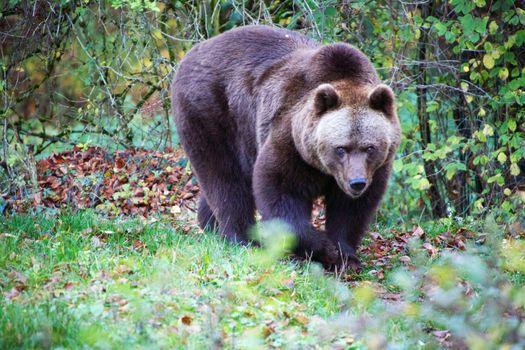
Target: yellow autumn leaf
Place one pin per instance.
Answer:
(364, 295)
(412, 309)
(493, 27)
(424, 184)
(388, 62)
(172, 23)
(157, 34)
(512, 125)
(482, 112)
(512, 251)
(302, 319)
(503, 73)
(514, 169)
(502, 157)
(180, 54)
(165, 53)
(479, 204)
(488, 130)
(488, 61)
(480, 136)
(147, 62)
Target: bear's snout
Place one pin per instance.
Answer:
(358, 184)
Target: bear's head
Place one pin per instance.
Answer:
(348, 131)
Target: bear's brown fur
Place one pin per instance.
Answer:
(270, 120)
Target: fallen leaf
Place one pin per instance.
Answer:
(443, 338)
(432, 251)
(405, 259)
(138, 244)
(391, 296)
(119, 163)
(188, 195)
(86, 232)
(13, 293)
(17, 277)
(302, 319)
(5, 234)
(418, 232)
(96, 242)
(186, 320)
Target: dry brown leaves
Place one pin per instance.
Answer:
(381, 251)
(129, 182)
(20, 284)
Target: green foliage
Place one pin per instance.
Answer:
(135, 5)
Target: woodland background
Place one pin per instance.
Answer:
(98, 73)
(97, 198)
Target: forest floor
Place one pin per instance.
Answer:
(107, 255)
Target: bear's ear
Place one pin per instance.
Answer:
(382, 99)
(325, 98)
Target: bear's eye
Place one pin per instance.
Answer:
(370, 149)
(340, 152)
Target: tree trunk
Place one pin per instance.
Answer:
(437, 203)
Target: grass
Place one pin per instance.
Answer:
(85, 280)
(79, 280)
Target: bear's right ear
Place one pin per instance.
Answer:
(325, 98)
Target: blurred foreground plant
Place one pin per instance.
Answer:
(458, 300)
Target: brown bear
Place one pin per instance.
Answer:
(271, 120)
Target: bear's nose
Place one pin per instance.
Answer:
(358, 184)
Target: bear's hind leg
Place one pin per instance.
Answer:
(209, 135)
(230, 202)
(226, 189)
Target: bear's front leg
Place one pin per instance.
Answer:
(347, 220)
(279, 195)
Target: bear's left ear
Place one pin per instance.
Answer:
(382, 99)
(325, 98)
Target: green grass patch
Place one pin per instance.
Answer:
(80, 280)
